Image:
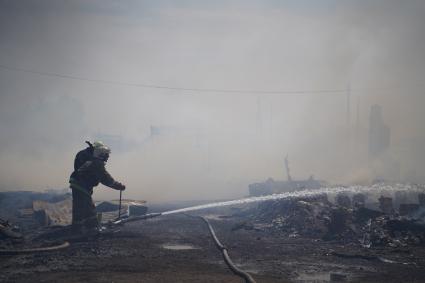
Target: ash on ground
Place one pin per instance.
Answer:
(373, 237)
(393, 221)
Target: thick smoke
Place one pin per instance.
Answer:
(174, 144)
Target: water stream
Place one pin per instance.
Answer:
(377, 189)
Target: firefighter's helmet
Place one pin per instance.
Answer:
(101, 151)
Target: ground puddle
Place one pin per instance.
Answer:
(178, 247)
(320, 277)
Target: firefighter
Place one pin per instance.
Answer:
(89, 171)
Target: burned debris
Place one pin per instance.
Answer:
(271, 186)
(34, 210)
(386, 205)
(9, 231)
(38, 217)
(355, 218)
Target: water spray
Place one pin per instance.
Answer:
(375, 189)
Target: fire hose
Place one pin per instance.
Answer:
(35, 250)
(220, 246)
(229, 262)
(248, 278)
(136, 218)
(66, 244)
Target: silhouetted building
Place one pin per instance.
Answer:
(379, 133)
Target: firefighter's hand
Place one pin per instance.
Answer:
(120, 187)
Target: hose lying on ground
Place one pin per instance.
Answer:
(226, 257)
(35, 250)
(66, 244)
(220, 246)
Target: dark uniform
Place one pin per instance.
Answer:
(83, 156)
(87, 175)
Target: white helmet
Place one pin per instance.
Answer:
(100, 150)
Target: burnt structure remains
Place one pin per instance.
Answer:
(379, 133)
(271, 186)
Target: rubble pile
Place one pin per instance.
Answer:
(306, 216)
(33, 213)
(9, 234)
(349, 218)
(393, 231)
(32, 209)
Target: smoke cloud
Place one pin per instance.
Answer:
(180, 145)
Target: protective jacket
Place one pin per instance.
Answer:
(90, 174)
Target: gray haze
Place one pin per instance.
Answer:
(181, 145)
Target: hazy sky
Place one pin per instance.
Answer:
(208, 144)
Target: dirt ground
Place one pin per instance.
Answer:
(178, 248)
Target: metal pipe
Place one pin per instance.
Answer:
(119, 207)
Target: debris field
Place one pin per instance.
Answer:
(322, 238)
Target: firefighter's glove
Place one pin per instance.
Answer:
(119, 186)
